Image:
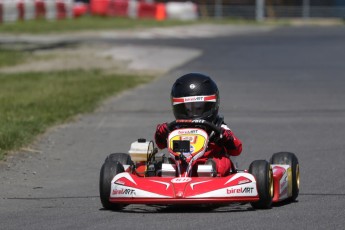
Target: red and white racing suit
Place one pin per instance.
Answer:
(228, 145)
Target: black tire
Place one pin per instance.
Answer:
(123, 158)
(109, 169)
(288, 158)
(262, 172)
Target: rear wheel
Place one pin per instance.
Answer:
(262, 172)
(288, 158)
(109, 169)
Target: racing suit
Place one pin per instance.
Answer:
(217, 151)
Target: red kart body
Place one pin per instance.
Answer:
(128, 188)
(179, 178)
(131, 189)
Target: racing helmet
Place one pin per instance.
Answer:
(195, 96)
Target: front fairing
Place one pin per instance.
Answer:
(197, 138)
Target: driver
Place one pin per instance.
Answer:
(196, 96)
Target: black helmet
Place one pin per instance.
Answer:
(195, 96)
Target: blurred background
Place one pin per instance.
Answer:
(13, 10)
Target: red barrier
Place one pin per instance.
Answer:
(110, 9)
(80, 9)
(21, 10)
(40, 9)
(118, 8)
(99, 7)
(61, 12)
(146, 10)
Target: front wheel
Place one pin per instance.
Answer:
(109, 169)
(263, 174)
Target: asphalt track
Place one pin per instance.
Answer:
(281, 90)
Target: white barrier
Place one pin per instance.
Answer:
(9, 11)
(132, 9)
(14, 10)
(69, 4)
(29, 9)
(181, 10)
(50, 6)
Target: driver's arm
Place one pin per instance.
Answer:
(232, 144)
(161, 135)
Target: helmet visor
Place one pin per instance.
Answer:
(194, 109)
(194, 106)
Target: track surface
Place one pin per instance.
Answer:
(280, 91)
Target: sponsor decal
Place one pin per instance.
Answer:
(198, 121)
(191, 139)
(181, 180)
(123, 191)
(184, 121)
(239, 190)
(179, 100)
(193, 99)
(188, 131)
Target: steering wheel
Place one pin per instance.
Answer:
(197, 123)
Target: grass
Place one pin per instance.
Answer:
(11, 57)
(95, 23)
(32, 102)
(83, 23)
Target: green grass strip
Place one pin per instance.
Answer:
(83, 23)
(32, 102)
(11, 57)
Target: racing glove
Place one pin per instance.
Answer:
(161, 135)
(230, 142)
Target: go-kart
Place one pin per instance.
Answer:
(181, 176)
